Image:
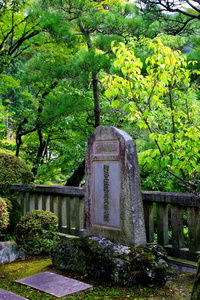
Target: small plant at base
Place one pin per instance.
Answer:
(36, 232)
(4, 217)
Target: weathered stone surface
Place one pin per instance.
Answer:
(113, 199)
(54, 284)
(196, 287)
(120, 264)
(9, 251)
(10, 296)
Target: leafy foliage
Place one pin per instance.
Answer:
(13, 170)
(36, 232)
(17, 27)
(175, 17)
(53, 110)
(4, 217)
(14, 210)
(53, 56)
(163, 102)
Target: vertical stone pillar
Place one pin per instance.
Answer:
(149, 221)
(113, 200)
(162, 224)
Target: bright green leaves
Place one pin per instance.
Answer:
(127, 62)
(7, 82)
(161, 100)
(179, 156)
(116, 103)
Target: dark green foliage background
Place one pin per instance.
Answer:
(12, 170)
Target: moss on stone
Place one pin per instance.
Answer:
(196, 287)
(123, 265)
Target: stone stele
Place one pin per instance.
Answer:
(113, 199)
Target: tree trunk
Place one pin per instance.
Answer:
(95, 82)
(18, 140)
(77, 176)
(97, 110)
(41, 149)
(19, 135)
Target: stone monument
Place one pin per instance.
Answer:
(113, 199)
(114, 218)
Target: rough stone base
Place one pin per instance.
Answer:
(196, 287)
(120, 264)
(9, 251)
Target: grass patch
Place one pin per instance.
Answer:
(178, 286)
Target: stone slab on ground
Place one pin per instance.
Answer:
(54, 284)
(9, 296)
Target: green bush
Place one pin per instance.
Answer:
(36, 232)
(14, 210)
(12, 170)
(4, 216)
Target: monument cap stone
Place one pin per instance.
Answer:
(113, 199)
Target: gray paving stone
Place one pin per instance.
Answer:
(53, 284)
(5, 295)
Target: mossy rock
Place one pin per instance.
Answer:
(196, 288)
(10, 251)
(120, 264)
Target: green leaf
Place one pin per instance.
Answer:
(115, 103)
(175, 162)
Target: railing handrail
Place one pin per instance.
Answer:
(49, 189)
(150, 196)
(182, 199)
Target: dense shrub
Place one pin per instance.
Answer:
(4, 217)
(14, 210)
(36, 232)
(12, 170)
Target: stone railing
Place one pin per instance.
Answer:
(173, 212)
(164, 213)
(66, 202)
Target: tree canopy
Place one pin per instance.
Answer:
(177, 16)
(190, 9)
(163, 101)
(54, 58)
